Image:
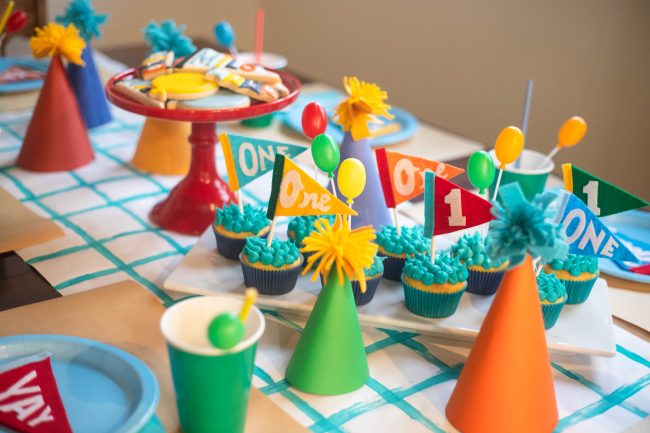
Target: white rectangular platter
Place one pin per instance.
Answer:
(581, 329)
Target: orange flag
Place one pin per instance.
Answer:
(402, 176)
(294, 192)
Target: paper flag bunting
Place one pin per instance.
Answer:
(29, 399)
(586, 234)
(449, 208)
(248, 158)
(402, 176)
(601, 197)
(294, 192)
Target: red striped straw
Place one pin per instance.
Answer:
(259, 36)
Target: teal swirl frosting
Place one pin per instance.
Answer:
(252, 220)
(377, 267)
(446, 269)
(302, 226)
(280, 253)
(550, 288)
(410, 241)
(575, 264)
(470, 249)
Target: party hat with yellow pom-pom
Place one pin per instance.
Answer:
(364, 105)
(330, 357)
(56, 138)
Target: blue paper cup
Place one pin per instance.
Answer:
(212, 385)
(531, 174)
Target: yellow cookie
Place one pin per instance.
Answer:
(185, 85)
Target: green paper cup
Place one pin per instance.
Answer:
(531, 174)
(212, 385)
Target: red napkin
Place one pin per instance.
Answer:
(29, 398)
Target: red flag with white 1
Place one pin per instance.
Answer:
(29, 398)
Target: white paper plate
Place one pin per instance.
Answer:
(586, 328)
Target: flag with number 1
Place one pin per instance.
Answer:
(449, 208)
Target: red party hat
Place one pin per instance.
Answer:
(56, 138)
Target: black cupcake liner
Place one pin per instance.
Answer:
(230, 247)
(483, 283)
(393, 267)
(371, 288)
(270, 282)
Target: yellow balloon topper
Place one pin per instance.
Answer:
(509, 145)
(351, 178)
(571, 132)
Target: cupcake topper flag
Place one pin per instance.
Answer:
(351, 180)
(56, 138)
(85, 80)
(248, 158)
(294, 192)
(449, 208)
(402, 177)
(330, 357)
(227, 329)
(225, 35)
(507, 149)
(506, 385)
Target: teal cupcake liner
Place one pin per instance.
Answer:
(393, 267)
(433, 305)
(268, 282)
(578, 291)
(230, 247)
(551, 312)
(483, 283)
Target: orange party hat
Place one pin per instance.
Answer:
(506, 385)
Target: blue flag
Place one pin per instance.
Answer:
(248, 158)
(586, 234)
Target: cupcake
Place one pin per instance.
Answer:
(272, 270)
(552, 295)
(397, 248)
(578, 273)
(301, 226)
(373, 276)
(231, 228)
(485, 274)
(433, 289)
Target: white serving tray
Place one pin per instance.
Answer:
(581, 329)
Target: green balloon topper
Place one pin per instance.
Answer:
(325, 153)
(480, 170)
(227, 329)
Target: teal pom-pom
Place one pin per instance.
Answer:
(82, 15)
(522, 227)
(168, 37)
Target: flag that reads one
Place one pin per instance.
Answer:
(402, 176)
(586, 234)
(29, 399)
(248, 158)
(449, 208)
(294, 192)
(601, 197)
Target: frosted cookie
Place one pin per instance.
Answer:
(142, 92)
(156, 64)
(185, 85)
(241, 85)
(204, 59)
(222, 100)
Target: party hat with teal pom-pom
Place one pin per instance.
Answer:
(84, 79)
(506, 385)
(166, 36)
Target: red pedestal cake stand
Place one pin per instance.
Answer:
(191, 205)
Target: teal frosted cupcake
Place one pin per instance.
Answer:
(552, 295)
(578, 273)
(231, 228)
(272, 270)
(397, 249)
(301, 226)
(433, 290)
(485, 274)
(373, 277)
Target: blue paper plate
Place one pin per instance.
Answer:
(103, 389)
(292, 117)
(633, 228)
(22, 86)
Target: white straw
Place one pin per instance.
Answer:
(397, 227)
(496, 187)
(269, 239)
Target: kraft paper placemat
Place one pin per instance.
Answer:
(127, 315)
(22, 228)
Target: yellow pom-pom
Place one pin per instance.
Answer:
(365, 102)
(55, 39)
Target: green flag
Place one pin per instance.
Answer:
(601, 197)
